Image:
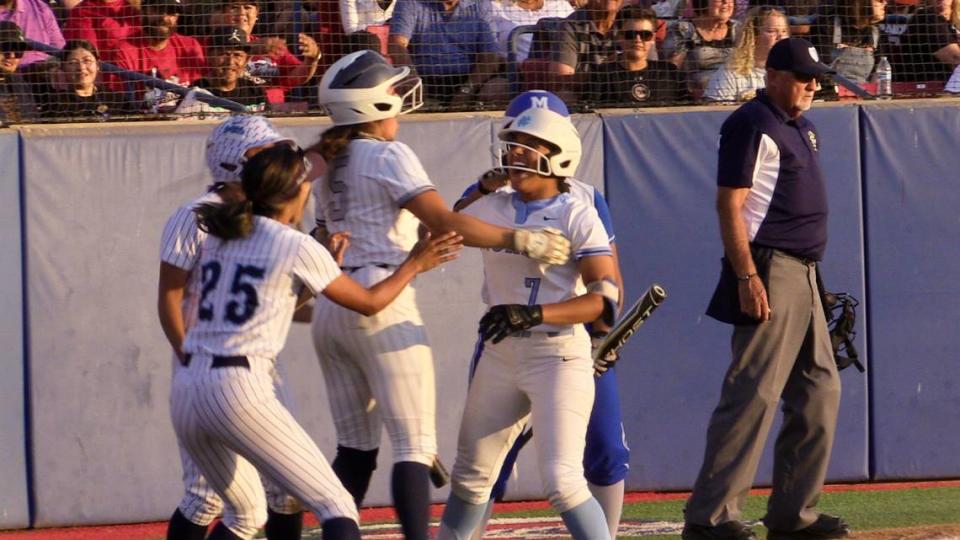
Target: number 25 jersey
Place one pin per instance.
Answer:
(249, 287)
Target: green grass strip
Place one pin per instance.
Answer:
(863, 510)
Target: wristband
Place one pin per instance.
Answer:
(746, 277)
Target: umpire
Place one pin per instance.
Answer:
(772, 206)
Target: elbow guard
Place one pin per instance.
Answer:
(610, 293)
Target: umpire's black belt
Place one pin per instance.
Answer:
(222, 361)
(351, 269)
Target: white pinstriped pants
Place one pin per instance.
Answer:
(232, 425)
(379, 373)
(200, 503)
(548, 380)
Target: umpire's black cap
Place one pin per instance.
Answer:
(797, 55)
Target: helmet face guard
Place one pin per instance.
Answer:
(410, 91)
(502, 150)
(552, 129)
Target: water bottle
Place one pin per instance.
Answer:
(884, 78)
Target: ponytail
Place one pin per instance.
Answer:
(269, 180)
(335, 139)
(230, 219)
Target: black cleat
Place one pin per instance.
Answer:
(730, 530)
(824, 527)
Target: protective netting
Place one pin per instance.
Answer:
(117, 59)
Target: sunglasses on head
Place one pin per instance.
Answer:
(645, 35)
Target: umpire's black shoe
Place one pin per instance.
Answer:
(730, 530)
(824, 527)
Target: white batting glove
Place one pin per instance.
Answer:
(546, 245)
(601, 365)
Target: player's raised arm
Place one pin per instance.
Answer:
(364, 94)
(546, 245)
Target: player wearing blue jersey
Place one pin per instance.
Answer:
(537, 365)
(255, 269)
(606, 459)
(379, 370)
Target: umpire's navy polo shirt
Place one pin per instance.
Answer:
(764, 149)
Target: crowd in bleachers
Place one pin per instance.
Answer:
(267, 55)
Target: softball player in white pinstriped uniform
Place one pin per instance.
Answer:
(253, 267)
(379, 370)
(537, 366)
(231, 143)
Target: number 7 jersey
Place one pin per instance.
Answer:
(512, 278)
(249, 287)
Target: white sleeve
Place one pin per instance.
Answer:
(402, 174)
(180, 244)
(314, 266)
(587, 235)
(349, 16)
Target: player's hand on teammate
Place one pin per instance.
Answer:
(603, 363)
(431, 251)
(505, 319)
(546, 245)
(337, 244)
(753, 298)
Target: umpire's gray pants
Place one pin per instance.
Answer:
(787, 358)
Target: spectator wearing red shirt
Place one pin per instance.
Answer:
(158, 46)
(103, 23)
(270, 59)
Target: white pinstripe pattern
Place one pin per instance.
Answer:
(378, 370)
(229, 419)
(363, 194)
(180, 247)
(232, 425)
(271, 262)
(379, 373)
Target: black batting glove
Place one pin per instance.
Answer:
(505, 319)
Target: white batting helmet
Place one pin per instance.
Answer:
(230, 140)
(551, 127)
(357, 89)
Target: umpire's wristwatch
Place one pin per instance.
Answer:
(465, 89)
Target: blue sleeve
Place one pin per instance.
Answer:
(470, 189)
(740, 140)
(604, 211)
(404, 20)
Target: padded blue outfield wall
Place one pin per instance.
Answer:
(97, 198)
(13, 465)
